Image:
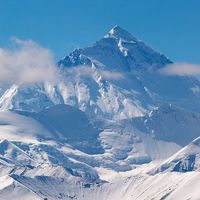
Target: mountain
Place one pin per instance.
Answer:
(118, 51)
(115, 78)
(112, 127)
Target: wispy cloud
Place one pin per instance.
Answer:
(81, 71)
(88, 71)
(108, 75)
(27, 62)
(181, 69)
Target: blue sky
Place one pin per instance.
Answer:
(170, 26)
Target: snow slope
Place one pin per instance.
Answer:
(170, 123)
(55, 169)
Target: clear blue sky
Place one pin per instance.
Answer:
(170, 26)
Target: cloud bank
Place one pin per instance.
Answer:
(27, 62)
(181, 69)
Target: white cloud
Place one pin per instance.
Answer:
(88, 71)
(108, 75)
(27, 62)
(181, 69)
(81, 71)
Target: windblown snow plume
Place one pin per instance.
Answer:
(27, 62)
(181, 69)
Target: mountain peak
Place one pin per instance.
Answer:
(120, 33)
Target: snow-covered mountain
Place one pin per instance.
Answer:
(115, 78)
(112, 127)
